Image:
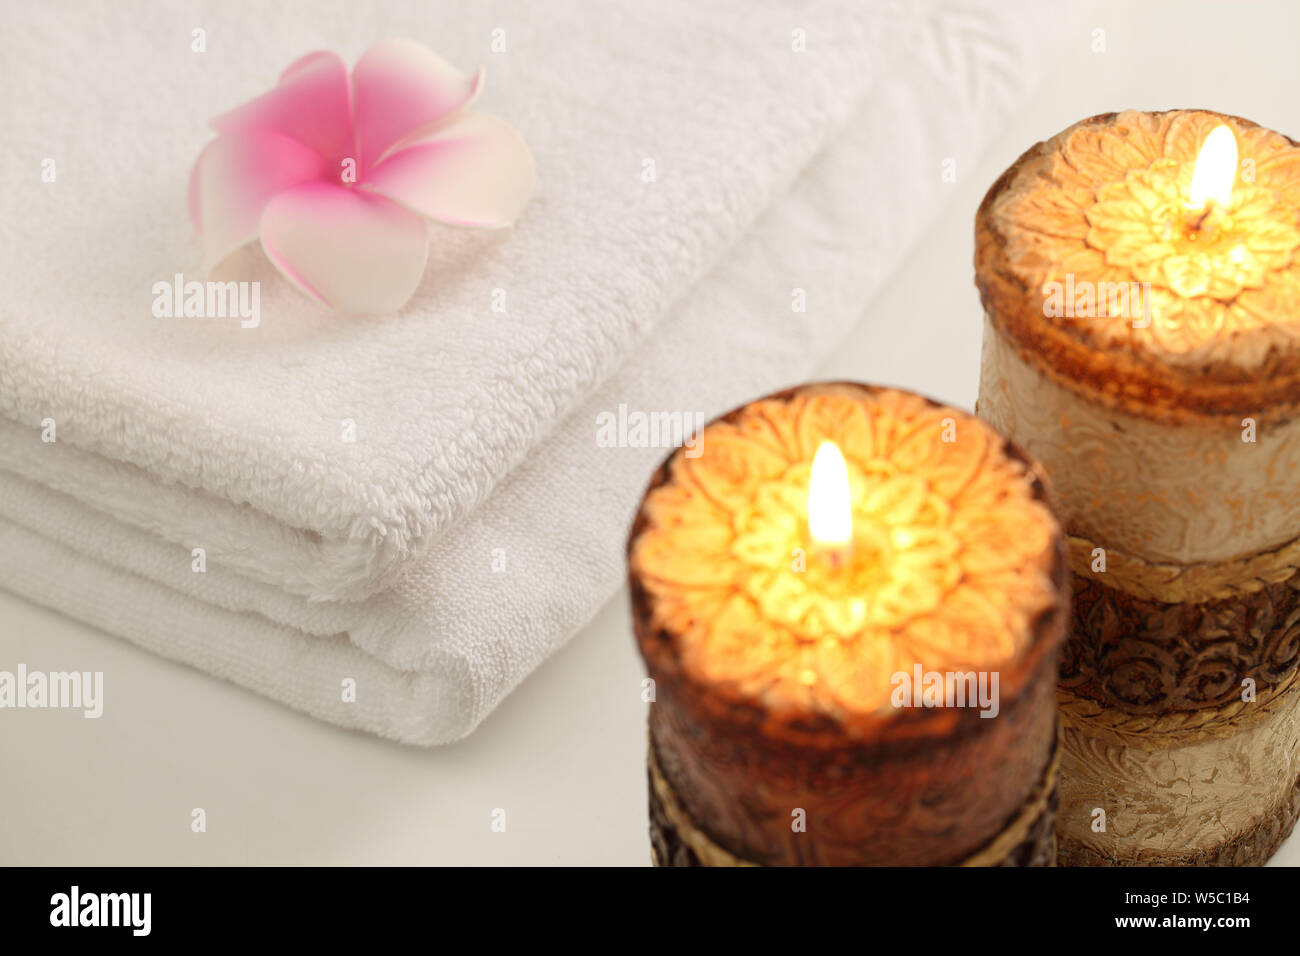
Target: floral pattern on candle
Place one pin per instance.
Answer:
(1110, 202)
(951, 552)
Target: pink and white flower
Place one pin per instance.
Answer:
(336, 174)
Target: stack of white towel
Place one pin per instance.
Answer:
(721, 187)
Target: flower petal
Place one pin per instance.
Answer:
(354, 251)
(312, 103)
(401, 88)
(235, 177)
(474, 170)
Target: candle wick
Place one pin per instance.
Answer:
(1200, 221)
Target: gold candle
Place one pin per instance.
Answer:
(830, 550)
(1142, 340)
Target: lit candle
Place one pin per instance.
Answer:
(1141, 287)
(810, 594)
(830, 511)
(1215, 169)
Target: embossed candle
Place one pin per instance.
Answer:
(1142, 340)
(790, 612)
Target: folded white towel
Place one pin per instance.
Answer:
(102, 522)
(448, 395)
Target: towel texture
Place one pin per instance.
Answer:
(448, 395)
(715, 206)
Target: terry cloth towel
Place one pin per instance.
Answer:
(720, 191)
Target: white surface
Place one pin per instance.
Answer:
(563, 756)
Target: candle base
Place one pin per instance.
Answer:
(1180, 727)
(1029, 838)
(1251, 848)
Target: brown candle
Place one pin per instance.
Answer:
(1141, 285)
(854, 666)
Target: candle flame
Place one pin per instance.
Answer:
(830, 511)
(1216, 167)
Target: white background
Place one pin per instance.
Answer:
(564, 755)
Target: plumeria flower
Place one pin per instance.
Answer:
(336, 174)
